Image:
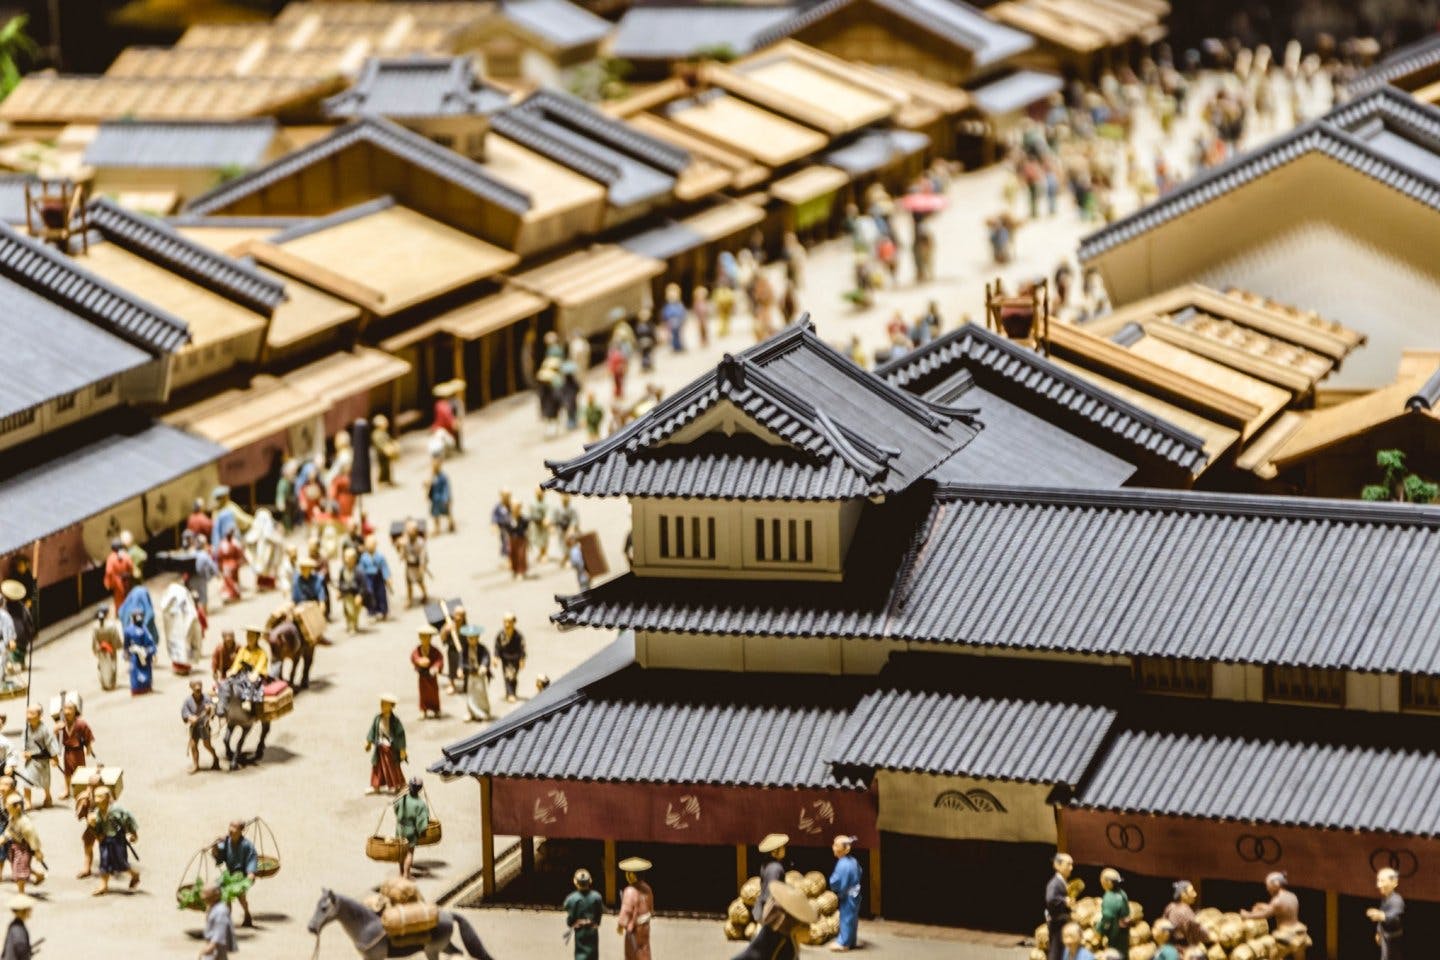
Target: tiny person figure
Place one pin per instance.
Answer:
(17, 937)
(412, 815)
(386, 743)
(787, 913)
(234, 853)
(116, 830)
(845, 884)
(1114, 925)
(637, 903)
(583, 910)
(1389, 916)
(219, 927)
(77, 741)
(428, 663)
(195, 713)
(510, 651)
(23, 844)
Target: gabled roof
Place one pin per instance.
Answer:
(160, 243)
(674, 32)
(1385, 135)
(416, 86)
(581, 116)
(557, 22)
(953, 21)
(1005, 364)
(1384, 789)
(1236, 579)
(58, 278)
(383, 135)
(1319, 430)
(841, 433)
(954, 734)
(734, 729)
(1396, 65)
(205, 144)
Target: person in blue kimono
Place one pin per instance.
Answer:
(845, 883)
(142, 639)
(309, 584)
(375, 573)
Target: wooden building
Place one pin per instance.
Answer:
(822, 635)
(1335, 215)
(1080, 38)
(543, 43)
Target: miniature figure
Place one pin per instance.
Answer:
(236, 854)
(583, 910)
(787, 914)
(386, 743)
(845, 884)
(637, 904)
(428, 662)
(196, 713)
(219, 932)
(510, 651)
(773, 847)
(1114, 925)
(1389, 917)
(477, 673)
(23, 844)
(387, 451)
(412, 815)
(437, 491)
(1058, 902)
(116, 830)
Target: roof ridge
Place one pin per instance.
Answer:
(139, 322)
(215, 271)
(1266, 507)
(523, 127)
(383, 134)
(1396, 63)
(335, 219)
(616, 133)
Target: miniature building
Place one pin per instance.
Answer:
(1361, 257)
(821, 634)
(169, 162)
(541, 42)
(1414, 68)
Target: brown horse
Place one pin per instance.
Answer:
(289, 643)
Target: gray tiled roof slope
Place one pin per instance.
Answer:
(581, 116)
(672, 32)
(384, 135)
(988, 40)
(156, 241)
(84, 482)
(973, 346)
(416, 87)
(846, 433)
(530, 132)
(1329, 136)
(1239, 579)
(180, 143)
(58, 278)
(1399, 62)
(672, 727)
(558, 21)
(1385, 790)
(922, 731)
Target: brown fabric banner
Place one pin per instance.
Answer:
(679, 813)
(1341, 860)
(61, 556)
(252, 461)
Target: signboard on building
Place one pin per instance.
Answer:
(962, 808)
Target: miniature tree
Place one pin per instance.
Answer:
(15, 46)
(1396, 483)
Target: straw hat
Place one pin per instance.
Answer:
(257, 632)
(388, 698)
(308, 562)
(13, 590)
(14, 799)
(773, 842)
(427, 631)
(22, 901)
(635, 864)
(792, 901)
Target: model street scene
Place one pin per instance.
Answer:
(572, 478)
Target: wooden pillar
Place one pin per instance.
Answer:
(1332, 924)
(510, 359)
(457, 360)
(486, 343)
(487, 841)
(1060, 839)
(611, 895)
(742, 865)
(527, 856)
(875, 882)
(80, 592)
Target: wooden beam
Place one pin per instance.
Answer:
(742, 865)
(875, 882)
(1332, 924)
(610, 868)
(313, 273)
(487, 841)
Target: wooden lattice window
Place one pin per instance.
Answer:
(1169, 675)
(1305, 685)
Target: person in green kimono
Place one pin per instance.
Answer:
(412, 815)
(583, 910)
(1164, 949)
(386, 745)
(1114, 923)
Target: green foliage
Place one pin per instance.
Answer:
(719, 52)
(16, 46)
(1397, 484)
(232, 885)
(602, 80)
(231, 171)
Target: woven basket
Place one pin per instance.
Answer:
(409, 919)
(738, 914)
(430, 835)
(385, 849)
(1145, 951)
(750, 891)
(12, 689)
(180, 891)
(814, 884)
(1042, 937)
(827, 903)
(1137, 912)
(266, 866)
(1037, 954)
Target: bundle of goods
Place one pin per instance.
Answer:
(402, 913)
(739, 924)
(1233, 937)
(279, 700)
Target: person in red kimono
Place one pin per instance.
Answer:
(341, 496)
(231, 557)
(119, 573)
(428, 662)
(637, 904)
(445, 415)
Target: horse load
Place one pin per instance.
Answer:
(402, 913)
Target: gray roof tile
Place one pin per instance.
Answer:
(82, 483)
(923, 731)
(1009, 368)
(159, 243)
(417, 86)
(383, 135)
(1396, 64)
(672, 33)
(1015, 91)
(559, 22)
(58, 278)
(987, 40)
(181, 143)
(1240, 579)
(1387, 790)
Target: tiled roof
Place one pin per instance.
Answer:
(1354, 134)
(674, 32)
(584, 118)
(845, 433)
(1015, 92)
(648, 726)
(987, 40)
(558, 22)
(383, 135)
(1399, 63)
(1428, 396)
(416, 87)
(1236, 579)
(12, 196)
(158, 242)
(535, 134)
(60, 279)
(1366, 788)
(82, 483)
(922, 731)
(181, 143)
(971, 347)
